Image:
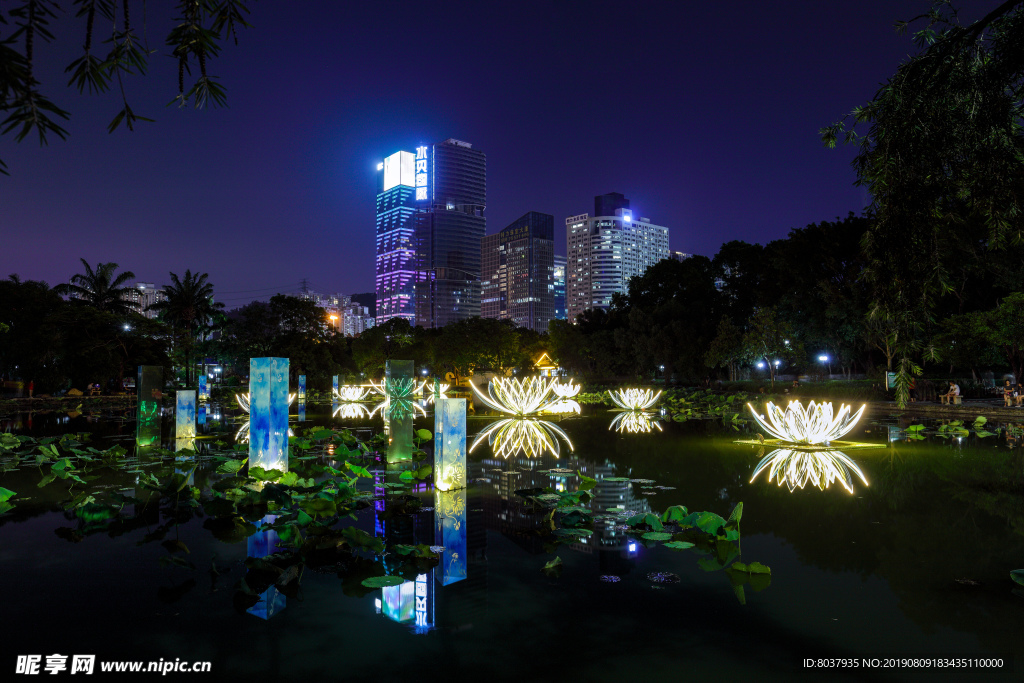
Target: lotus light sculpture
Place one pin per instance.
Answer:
(525, 396)
(565, 391)
(796, 468)
(563, 406)
(439, 394)
(634, 399)
(812, 426)
(351, 394)
(528, 436)
(403, 387)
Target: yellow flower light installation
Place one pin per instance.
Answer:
(351, 393)
(634, 422)
(513, 396)
(565, 391)
(243, 400)
(528, 436)
(812, 426)
(634, 399)
(797, 468)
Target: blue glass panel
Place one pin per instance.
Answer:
(268, 413)
(185, 415)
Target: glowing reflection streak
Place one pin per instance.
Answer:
(812, 425)
(563, 406)
(513, 396)
(351, 411)
(397, 408)
(531, 437)
(820, 468)
(243, 400)
(634, 422)
(634, 399)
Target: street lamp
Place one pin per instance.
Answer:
(823, 358)
(760, 364)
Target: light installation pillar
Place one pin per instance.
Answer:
(201, 417)
(449, 443)
(149, 385)
(450, 532)
(204, 390)
(334, 385)
(302, 387)
(268, 413)
(398, 382)
(185, 415)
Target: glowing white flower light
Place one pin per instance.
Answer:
(351, 411)
(634, 422)
(440, 394)
(814, 425)
(531, 437)
(525, 396)
(567, 390)
(405, 387)
(351, 393)
(243, 400)
(634, 399)
(819, 468)
(563, 407)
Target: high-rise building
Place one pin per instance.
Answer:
(430, 220)
(145, 294)
(559, 286)
(518, 272)
(396, 229)
(452, 195)
(606, 250)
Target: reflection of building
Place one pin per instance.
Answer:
(144, 295)
(518, 272)
(558, 282)
(606, 250)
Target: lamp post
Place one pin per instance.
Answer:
(823, 359)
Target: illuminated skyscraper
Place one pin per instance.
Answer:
(396, 253)
(606, 250)
(518, 272)
(451, 196)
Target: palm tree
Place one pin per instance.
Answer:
(189, 307)
(100, 289)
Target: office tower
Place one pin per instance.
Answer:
(606, 250)
(144, 295)
(518, 272)
(558, 281)
(396, 251)
(451, 187)
(679, 256)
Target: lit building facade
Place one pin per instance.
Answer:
(452, 197)
(606, 250)
(518, 272)
(396, 229)
(558, 279)
(144, 295)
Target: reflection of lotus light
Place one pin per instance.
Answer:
(404, 387)
(567, 390)
(797, 468)
(243, 400)
(351, 411)
(523, 435)
(813, 425)
(242, 436)
(397, 408)
(634, 399)
(634, 422)
(516, 396)
(347, 393)
(564, 406)
(441, 388)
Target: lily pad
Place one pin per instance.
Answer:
(679, 545)
(657, 536)
(1018, 576)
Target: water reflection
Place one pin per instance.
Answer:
(563, 407)
(529, 436)
(351, 411)
(260, 545)
(635, 422)
(450, 533)
(796, 468)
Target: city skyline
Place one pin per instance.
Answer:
(716, 127)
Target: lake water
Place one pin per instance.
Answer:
(914, 565)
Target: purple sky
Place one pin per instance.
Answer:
(704, 114)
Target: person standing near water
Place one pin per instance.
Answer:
(31, 387)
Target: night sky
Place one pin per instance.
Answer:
(704, 114)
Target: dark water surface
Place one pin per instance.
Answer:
(914, 565)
